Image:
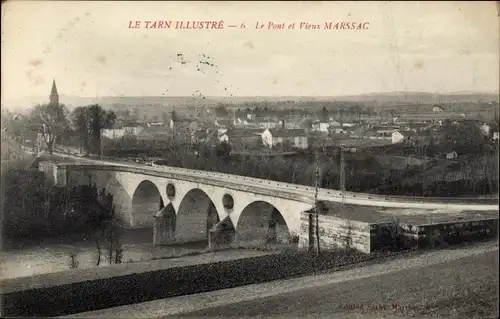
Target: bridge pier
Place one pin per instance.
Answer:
(222, 234)
(164, 226)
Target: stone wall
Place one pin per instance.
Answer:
(60, 176)
(49, 170)
(445, 234)
(365, 237)
(334, 233)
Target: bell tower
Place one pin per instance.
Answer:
(54, 96)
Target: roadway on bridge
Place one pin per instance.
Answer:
(461, 277)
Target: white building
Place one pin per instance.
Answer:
(397, 137)
(451, 155)
(289, 125)
(223, 137)
(347, 124)
(485, 129)
(319, 126)
(267, 125)
(297, 138)
(113, 133)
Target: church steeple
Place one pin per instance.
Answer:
(54, 96)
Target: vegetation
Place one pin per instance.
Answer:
(50, 120)
(32, 210)
(363, 172)
(88, 123)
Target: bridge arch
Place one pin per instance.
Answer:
(146, 202)
(196, 215)
(261, 223)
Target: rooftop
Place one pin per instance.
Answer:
(407, 133)
(244, 132)
(287, 133)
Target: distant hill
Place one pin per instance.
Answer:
(388, 98)
(425, 98)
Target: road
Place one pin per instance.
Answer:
(461, 288)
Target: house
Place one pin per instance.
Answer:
(251, 116)
(495, 136)
(289, 124)
(385, 129)
(266, 124)
(402, 137)
(437, 109)
(150, 124)
(183, 124)
(226, 124)
(348, 125)
(113, 133)
(320, 126)
(155, 133)
(296, 138)
(358, 132)
(416, 127)
(485, 129)
(223, 137)
(240, 122)
(242, 138)
(379, 136)
(451, 155)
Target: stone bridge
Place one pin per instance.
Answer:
(188, 203)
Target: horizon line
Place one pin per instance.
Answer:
(274, 96)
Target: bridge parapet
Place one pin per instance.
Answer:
(303, 190)
(54, 172)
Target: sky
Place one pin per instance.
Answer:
(89, 49)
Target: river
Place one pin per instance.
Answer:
(51, 256)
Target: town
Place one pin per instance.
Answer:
(249, 172)
(384, 150)
(436, 152)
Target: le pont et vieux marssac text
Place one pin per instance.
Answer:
(219, 25)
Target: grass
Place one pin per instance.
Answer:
(460, 294)
(462, 288)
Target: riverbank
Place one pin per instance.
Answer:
(48, 255)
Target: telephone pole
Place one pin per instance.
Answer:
(316, 210)
(342, 173)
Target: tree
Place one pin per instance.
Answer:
(223, 149)
(15, 126)
(369, 113)
(341, 113)
(392, 113)
(221, 111)
(50, 120)
(357, 110)
(88, 122)
(324, 113)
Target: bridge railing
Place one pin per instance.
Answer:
(309, 190)
(328, 192)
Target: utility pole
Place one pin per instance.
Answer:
(102, 148)
(316, 210)
(342, 173)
